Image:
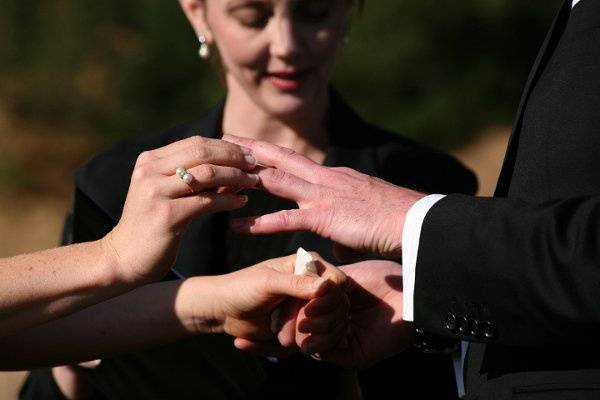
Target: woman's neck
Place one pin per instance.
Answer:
(308, 135)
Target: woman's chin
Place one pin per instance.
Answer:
(286, 105)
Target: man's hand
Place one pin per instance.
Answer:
(353, 209)
(375, 328)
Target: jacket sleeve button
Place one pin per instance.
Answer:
(489, 330)
(463, 325)
(451, 322)
(475, 328)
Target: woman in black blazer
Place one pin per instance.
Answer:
(275, 58)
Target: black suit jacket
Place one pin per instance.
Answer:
(209, 366)
(521, 271)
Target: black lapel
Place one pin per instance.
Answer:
(543, 56)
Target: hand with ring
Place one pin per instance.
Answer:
(169, 187)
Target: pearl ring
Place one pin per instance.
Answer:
(185, 176)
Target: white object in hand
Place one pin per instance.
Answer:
(305, 264)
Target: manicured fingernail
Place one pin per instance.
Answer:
(250, 159)
(254, 177)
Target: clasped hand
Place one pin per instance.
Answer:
(354, 321)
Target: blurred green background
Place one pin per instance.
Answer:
(76, 76)
(437, 71)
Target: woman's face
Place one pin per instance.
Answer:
(278, 53)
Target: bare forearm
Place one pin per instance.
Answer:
(38, 287)
(151, 315)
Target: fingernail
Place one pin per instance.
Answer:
(254, 177)
(250, 159)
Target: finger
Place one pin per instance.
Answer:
(326, 342)
(300, 287)
(280, 221)
(328, 270)
(286, 332)
(194, 141)
(186, 208)
(283, 264)
(322, 324)
(256, 329)
(282, 158)
(348, 171)
(334, 301)
(265, 349)
(198, 155)
(208, 177)
(90, 364)
(286, 185)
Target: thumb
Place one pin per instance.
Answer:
(298, 286)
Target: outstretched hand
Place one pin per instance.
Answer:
(353, 209)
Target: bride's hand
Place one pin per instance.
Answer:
(241, 303)
(160, 205)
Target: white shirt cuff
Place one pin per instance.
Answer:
(411, 233)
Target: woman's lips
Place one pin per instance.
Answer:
(287, 81)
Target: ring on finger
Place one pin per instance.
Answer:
(184, 175)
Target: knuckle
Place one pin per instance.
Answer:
(235, 155)
(200, 153)
(141, 172)
(207, 173)
(206, 201)
(277, 175)
(152, 190)
(144, 157)
(197, 141)
(286, 217)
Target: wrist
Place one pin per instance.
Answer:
(198, 305)
(110, 263)
(397, 219)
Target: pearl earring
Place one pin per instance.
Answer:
(204, 51)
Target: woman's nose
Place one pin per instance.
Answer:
(284, 42)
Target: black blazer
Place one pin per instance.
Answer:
(208, 365)
(521, 271)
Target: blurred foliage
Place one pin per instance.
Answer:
(437, 71)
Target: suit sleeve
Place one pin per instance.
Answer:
(504, 271)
